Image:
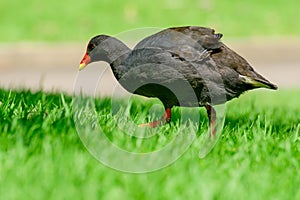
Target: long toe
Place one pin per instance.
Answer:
(153, 124)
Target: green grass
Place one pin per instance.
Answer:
(55, 20)
(42, 157)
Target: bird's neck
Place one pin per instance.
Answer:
(115, 53)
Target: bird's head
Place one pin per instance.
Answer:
(95, 50)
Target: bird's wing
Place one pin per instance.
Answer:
(180, 57)
(199, 38)
(206, 37)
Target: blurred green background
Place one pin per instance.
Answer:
(68, 20)
(41, 155)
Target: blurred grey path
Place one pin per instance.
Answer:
(54, 67)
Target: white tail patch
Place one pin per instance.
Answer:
(253, 82)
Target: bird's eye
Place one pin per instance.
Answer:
(91, 46)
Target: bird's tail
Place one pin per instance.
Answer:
(258, 83)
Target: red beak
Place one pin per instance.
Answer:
(85, 61)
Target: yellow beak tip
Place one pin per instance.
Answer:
(81, 66)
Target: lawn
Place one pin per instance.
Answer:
(43, 157)
(257, 156)
(56, 20)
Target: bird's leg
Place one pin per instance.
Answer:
(211, 113)
(166, 118)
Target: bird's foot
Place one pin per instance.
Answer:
(153, 124)
(166, 118)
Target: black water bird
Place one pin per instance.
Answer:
(181, 66)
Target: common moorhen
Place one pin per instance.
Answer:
(181, 66)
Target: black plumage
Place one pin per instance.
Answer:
(182, 66)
